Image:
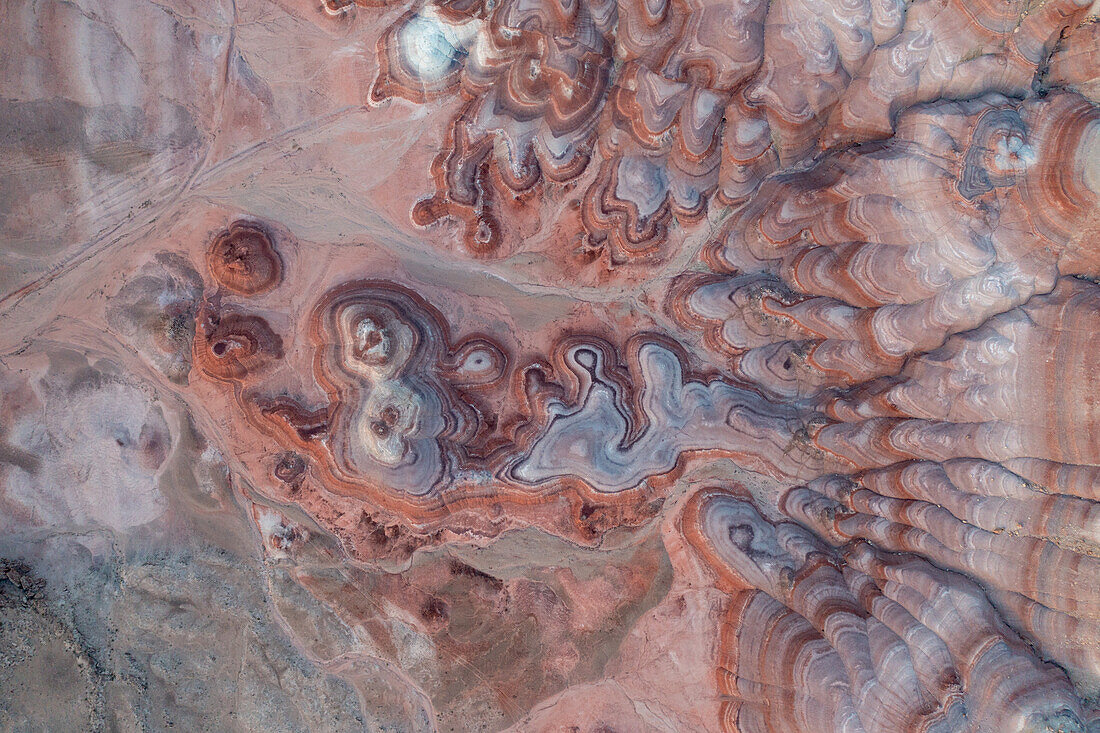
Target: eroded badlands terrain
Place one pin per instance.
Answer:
(550, 365)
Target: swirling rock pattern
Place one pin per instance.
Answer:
(820, 638)
(536, 77)
(835, 281)
(963, 456)
(586, 365)
(686, 99)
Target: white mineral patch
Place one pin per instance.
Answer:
(749, 130)
(277, 533)
(1089, 152)
(367, 332)
(642, 183)
(431, 46)
(478, 362)
(1013, 154)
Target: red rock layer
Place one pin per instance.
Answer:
(853, 638)
(914, 358)
(534, 77)
(939, 446)
(687, 98)
(836, 277)
(434, 431)
(923, 294)
(243, 260)
(898, 319)
(1075, 62)
(233, 346)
